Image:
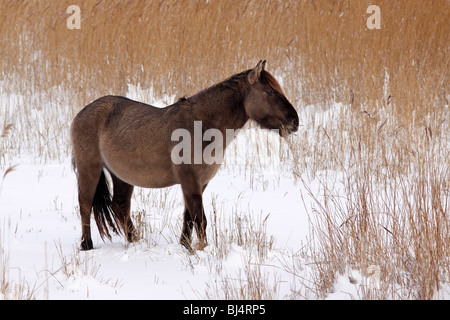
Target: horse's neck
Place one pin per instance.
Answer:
(220, 107)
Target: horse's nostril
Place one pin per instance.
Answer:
(295, 122)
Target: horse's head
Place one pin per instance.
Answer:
(266, 104)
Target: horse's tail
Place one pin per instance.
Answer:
(102, 206)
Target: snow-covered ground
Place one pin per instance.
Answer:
(40, 235)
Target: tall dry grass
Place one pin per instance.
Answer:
(184, 46)
(389, 139)
(389, 209)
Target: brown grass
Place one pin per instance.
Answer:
(183, 46)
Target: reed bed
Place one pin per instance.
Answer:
(324, 50)
(373, 106)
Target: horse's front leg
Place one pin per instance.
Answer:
(200, 227)
(186, 233)
(194, 206)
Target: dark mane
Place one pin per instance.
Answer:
(237, 81)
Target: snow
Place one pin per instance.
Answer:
(41, 234)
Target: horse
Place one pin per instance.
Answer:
(133, 142)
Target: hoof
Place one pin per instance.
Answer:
(133, 237)
(86, 244)
(185, 243)
(201, 245)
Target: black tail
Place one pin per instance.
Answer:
(103, 209)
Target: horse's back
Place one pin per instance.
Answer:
(132, 139)
(111, 112)
(111, 106)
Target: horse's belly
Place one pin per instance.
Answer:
(138, 171)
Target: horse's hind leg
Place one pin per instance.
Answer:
(88, 177)
(121, 205)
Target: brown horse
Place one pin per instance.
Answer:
(134, 143)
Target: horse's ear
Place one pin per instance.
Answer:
(255, 74)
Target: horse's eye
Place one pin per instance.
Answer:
(269, 92)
